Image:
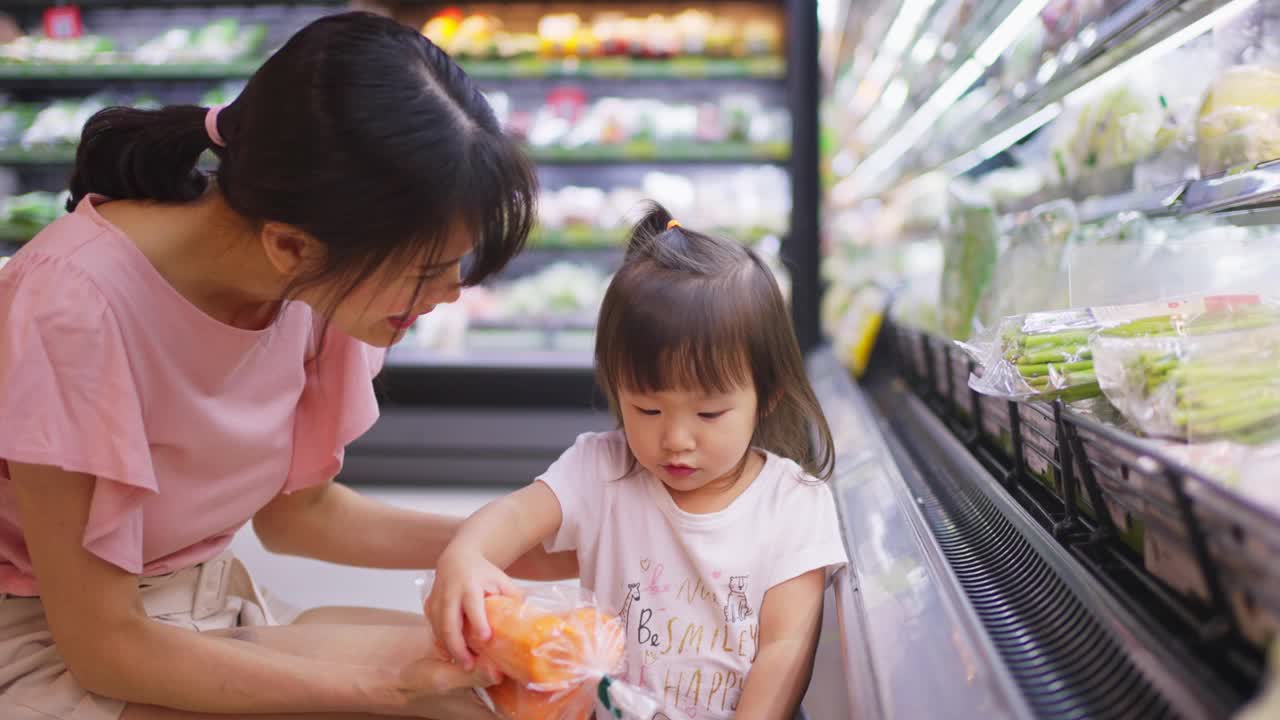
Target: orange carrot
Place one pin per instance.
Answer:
(516, 702)
(548, 649)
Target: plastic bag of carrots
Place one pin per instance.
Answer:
(560, 655)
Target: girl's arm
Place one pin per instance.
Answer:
(472, 566)
(790, 620)
(317, 523)
(113, 649)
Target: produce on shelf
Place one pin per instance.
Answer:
(969, 243)
(219, 42)
(1119, 129)
(1215, 376)
(693, 33)
(1049, 355)
(59, 124)
(560, 290)
(27, 214)
(743, 204)
(568, 120)
(29, 49)
(1239, 121)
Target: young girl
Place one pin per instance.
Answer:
(699, 522)
(182, 354)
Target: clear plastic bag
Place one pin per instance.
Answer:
(1050, 355)
(1214, 376)
(970, 247)
(560, 656)
(1239, 120)
(1029, 275)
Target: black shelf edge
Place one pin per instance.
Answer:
(1243, 190)
(419, 377)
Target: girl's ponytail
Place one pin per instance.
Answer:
(131, 154)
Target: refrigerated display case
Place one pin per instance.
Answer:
(1051, 239)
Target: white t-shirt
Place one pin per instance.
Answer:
(688, 587)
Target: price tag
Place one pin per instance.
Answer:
(63, 22)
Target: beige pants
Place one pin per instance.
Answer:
(35, 683)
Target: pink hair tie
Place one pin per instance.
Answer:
(211, 125)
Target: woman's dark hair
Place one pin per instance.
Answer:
(359, 131)
(687, 311)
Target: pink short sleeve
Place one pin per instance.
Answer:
(68, 399)
(337, 406)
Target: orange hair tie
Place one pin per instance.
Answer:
(673, 224)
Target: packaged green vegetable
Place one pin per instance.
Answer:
(1214, 376)
(1050, 355)
(968, 260)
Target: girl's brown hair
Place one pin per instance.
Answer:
(691, 311)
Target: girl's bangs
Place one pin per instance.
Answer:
(654, 348)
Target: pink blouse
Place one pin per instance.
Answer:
(189, 425)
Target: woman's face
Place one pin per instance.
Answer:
(384, 307)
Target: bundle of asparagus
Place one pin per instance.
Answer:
(1051, 355)
(1054, 364)
(1216, 376)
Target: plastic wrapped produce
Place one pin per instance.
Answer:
(969, 258)
(1050, 355)
(1212, 376)
(1239, 121)
(1119, 128)
(560, 656)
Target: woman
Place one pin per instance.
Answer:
(180, 355)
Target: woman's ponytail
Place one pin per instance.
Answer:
(131, 154)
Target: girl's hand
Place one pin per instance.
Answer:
(456, 605)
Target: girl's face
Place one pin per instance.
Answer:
(693, 442)
(379, 311)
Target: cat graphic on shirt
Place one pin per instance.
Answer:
(737, 608)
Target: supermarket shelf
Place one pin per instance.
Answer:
(550, 363)
(771, 68)
(50, 72)
(904, 596)
(533, 379)
(1058, 629)
(664, 153)
(689, 68)
(1100, 48)
(16, 234)
(586, 238)
(36, 157)
(1105, 497)
(1239, 193)
(1234, 191)
(94, 4)
(668, 153)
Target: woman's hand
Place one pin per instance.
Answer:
(438, 689)
(456, 604)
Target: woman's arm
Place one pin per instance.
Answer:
(113, 649)
(318, 522)
(789, 623)
(472, 567)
